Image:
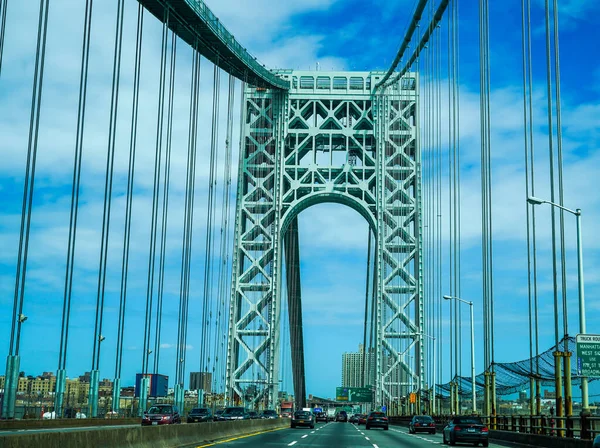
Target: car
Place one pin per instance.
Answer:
(268, 413)
(421, 423)
(161, 414)
(302, 418)
(253, 415)
(597, 442)
(341, 416)
(235, 413)
(377, 419)
(218, 415)
(321, 417)
(200, 415)
(354, 418)
(362, 419)
(466, 429)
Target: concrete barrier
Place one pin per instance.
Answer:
(166, 436)
(65, 423)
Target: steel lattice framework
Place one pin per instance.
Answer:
(330, 138)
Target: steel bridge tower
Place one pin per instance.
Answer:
(329, 138)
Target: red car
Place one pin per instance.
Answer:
(362, 419)
(161, 414)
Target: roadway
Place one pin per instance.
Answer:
(327, 435)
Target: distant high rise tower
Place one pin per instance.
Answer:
(352, 368)
(201, 380)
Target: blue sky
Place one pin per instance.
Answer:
(340, 35)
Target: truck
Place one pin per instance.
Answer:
(330, 414)
(286, 409)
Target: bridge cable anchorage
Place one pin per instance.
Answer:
(430, 29)
(155, 197)
(165, 205)
(129, 194)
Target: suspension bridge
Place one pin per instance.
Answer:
(268, 144)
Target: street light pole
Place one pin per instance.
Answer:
(582, 325)
(473, 392)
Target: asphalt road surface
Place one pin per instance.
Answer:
(329, 435)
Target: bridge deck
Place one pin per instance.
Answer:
(195, 23)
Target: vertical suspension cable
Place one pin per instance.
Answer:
(165, 205)
(155, 197)
(188, 218)
(66, 311)
(129, 195)
(28, 187)
(526, 60)
(3, 7)
(108, 186)
(207, 293)
(225, 217)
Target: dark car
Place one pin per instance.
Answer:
(253, 415)
(466, 429)
(321, 417)
(200, 415)
(303, 418)
(362, 419)
(354, 418)
(234, 413)
(377, 419)
(341, 416)
(269, 413)
(421, 423)
(218, 415)
(161, 414)
(597, 442)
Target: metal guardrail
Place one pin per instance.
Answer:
(213, 22)
(581, 427)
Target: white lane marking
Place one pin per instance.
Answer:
(375, 446)
(367, 438)
(305, 436)
(293, 443)
(312, 432)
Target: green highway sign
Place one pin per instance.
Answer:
(588, 355)
(354, 394)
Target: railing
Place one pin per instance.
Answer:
(581, 427)
(213, 22)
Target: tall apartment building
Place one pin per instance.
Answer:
(352, 368)
(201, 380)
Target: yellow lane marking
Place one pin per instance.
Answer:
(241, 437)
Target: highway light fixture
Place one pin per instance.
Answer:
(535, 201)
(473, 393)
(101, 338)
(22, 318)
(582, 324)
